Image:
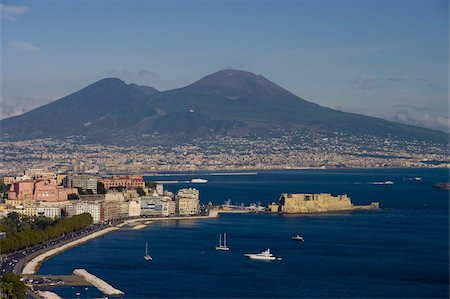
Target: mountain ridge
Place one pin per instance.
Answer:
(227, 102)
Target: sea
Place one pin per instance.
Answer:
(399, 251)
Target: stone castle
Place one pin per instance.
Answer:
(315, 203)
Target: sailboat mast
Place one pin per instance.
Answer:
(220, 240)
(225, 239)
(146, 248)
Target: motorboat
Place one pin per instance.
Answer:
(388, 182)
(223, 247)
(199, 180)
(298, 238)
(147, 257)
(265, 255)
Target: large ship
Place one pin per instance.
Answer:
(199, 181)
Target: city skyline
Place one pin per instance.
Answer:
(380, 58)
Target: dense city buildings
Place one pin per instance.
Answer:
(285, 150)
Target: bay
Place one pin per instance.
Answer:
(399, 251)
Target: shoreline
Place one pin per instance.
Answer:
(32, 266)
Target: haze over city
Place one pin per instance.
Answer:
(379, 58)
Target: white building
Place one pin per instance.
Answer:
(134, 208)
(85, 207)
(50, 212)
(187, 202)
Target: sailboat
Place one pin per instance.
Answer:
(147, 256)
(223, 246)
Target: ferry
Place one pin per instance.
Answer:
(199, 181)
(265, 255)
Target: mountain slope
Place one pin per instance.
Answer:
(103, 108)
(228, 102)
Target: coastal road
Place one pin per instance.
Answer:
(15, 261)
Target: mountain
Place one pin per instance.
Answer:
(228, 102)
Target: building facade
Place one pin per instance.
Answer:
(187, 202)
(129, 182)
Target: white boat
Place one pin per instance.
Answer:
(298, 238)
(199, 181)
(418, 178)
(388, 182)
(265, 255)
(223, 247)
(147, 256)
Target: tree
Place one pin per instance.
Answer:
(73, 196)
(141, 192)
(12, 287)
(151, 185)
(101, 188)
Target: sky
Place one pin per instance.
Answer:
(385, 58)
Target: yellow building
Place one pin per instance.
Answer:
(314, 203)
(8, 180)
(60, 178)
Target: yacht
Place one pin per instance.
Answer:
(298, 238)
(147, 256)
(388, 182)
(199, 181)
(265, 255)
(223, 247)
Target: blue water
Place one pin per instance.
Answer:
(401, 251)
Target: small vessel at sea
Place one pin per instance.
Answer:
(198, 180)
(223, 247)
(147, 256)
(265, 255)
(418, 178)
(388, 182)
(298, 238)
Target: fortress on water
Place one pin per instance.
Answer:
(315, 203)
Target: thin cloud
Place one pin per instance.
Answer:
(411, 106)
(424, 120)
(370, 82)
(23, 46)
(146, 73)
(12, 12)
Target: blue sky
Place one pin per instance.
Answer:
(385, 58)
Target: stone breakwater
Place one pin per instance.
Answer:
(48, 295)
(100, 284)
(33, 266)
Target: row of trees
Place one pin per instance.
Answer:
(12, 287)
(22, 239)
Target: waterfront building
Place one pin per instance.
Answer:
(187, 202)
(134, 208)
(129, 182)
(313, 203)
(84, 182)
(84, 207)
(109, 210)
(40, 190)
(154, 205)
(50, 212)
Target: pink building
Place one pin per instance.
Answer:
(40, 189)
(129, 182)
